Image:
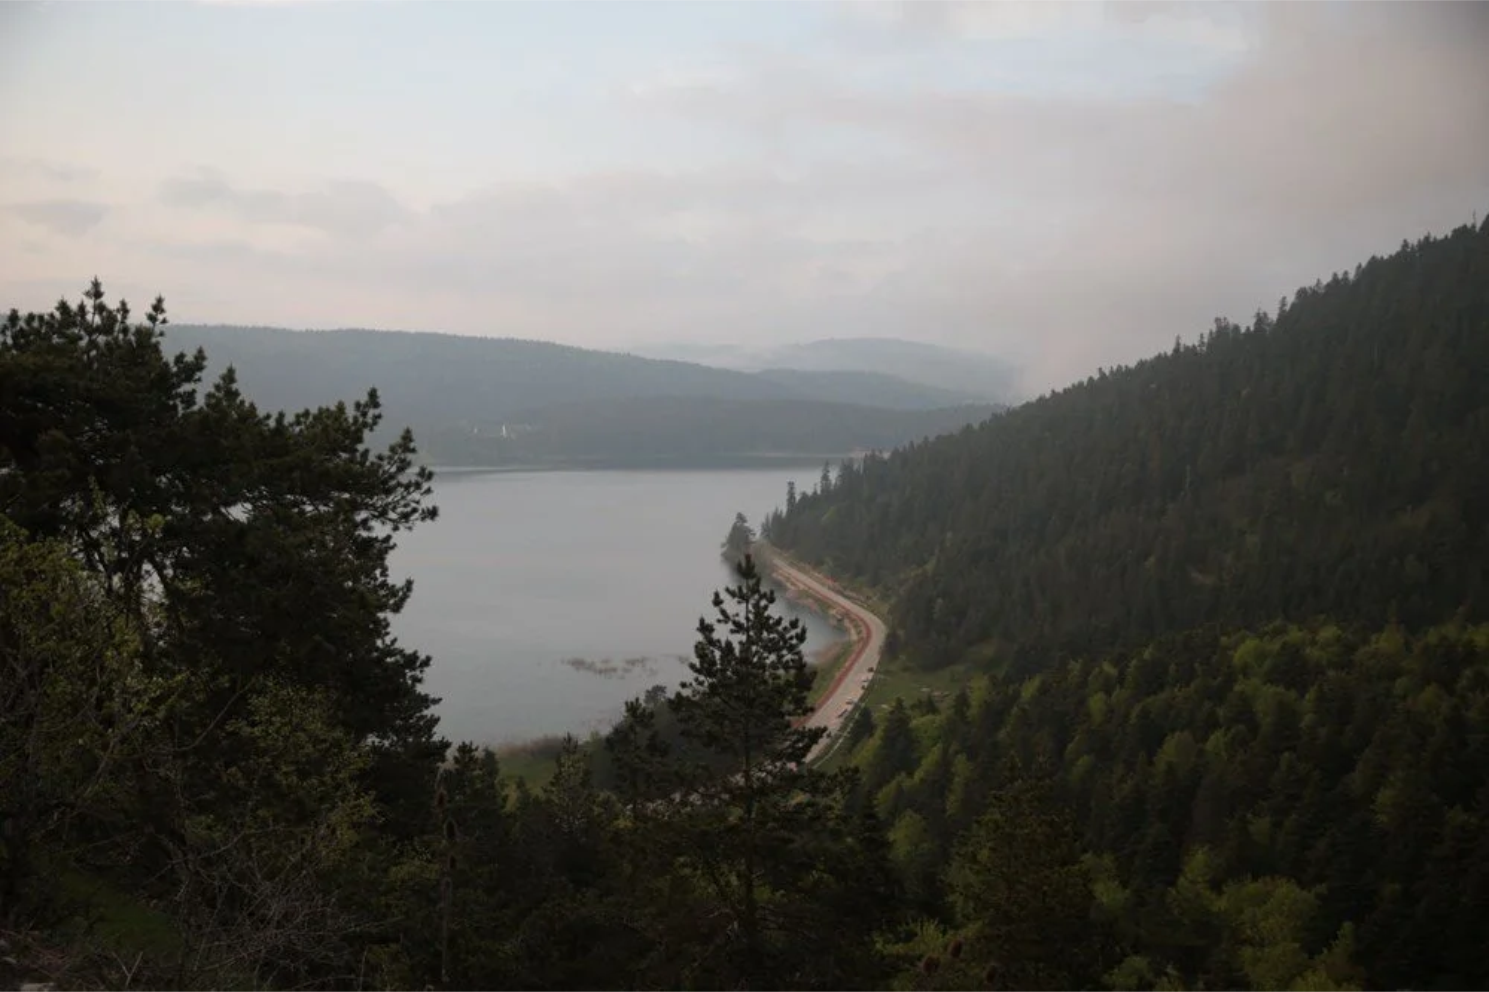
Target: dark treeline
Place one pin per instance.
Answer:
(1330, 459)
(682, 430)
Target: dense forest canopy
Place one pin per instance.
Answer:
(1331, 458)
(1215, 613)
(1290, 808)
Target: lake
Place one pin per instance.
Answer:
(525, 572)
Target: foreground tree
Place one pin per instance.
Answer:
(209, 707)
(787, 887)
(75, 708)
(262, 538)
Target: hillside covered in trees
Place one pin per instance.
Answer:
(505, 402)
(1298, 807)
(1220, 619)
(1331, 458)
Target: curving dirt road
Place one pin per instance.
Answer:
(854, 676)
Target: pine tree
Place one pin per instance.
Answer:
(765, 834)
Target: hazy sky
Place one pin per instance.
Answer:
(1066, 186)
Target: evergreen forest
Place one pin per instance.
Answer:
(1214, 626)
(1223, 613)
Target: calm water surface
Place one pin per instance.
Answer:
(525, 570)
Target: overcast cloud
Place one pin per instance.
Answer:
(1065, 186)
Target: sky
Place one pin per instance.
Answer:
(1063, 186)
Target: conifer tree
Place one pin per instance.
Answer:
(767, 838)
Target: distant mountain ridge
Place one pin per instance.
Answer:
(461, 394)
(868, 388)
(971, 374)
(435, 378)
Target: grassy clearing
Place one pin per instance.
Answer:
(894, 679)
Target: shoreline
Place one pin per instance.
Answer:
(840, 702)
(855, 655)
(829, 657)
(720, 463)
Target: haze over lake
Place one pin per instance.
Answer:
(524, 572)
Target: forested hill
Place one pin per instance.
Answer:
(465, 396)
(1331, 458)
(428, 379)
(973, 376)
(1229, 731)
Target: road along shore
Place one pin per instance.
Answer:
(866, 631)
